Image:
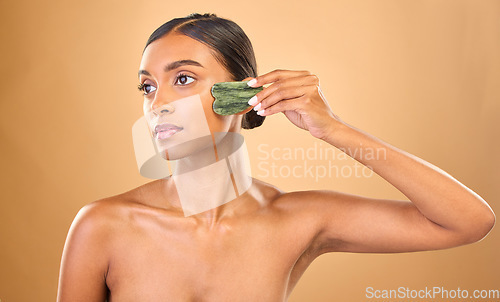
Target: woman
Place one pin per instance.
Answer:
(138, 246)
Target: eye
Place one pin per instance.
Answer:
(183, 79)
(146, 88)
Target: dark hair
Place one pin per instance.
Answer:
(231, 46)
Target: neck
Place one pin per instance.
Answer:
(210, 183)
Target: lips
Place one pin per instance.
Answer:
(166, 130)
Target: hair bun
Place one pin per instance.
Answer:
(251, 120)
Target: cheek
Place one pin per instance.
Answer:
(217, 123)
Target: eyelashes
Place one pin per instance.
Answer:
(145, 88)
(180, 80)
(183, 79)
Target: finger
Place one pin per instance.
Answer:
(292, 105)
(286, 83)
(283, 94)
(276, 75)
(301, 101)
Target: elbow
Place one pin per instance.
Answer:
(489, 221)
(480, 227)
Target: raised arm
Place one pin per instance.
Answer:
(441, 213)
(84, 262)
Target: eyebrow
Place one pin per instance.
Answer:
(173, 66)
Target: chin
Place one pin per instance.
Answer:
(172, 150)
(202, 149)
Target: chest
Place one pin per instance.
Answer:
(249, 263)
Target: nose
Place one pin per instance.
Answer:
(162, 104)
(163, 109)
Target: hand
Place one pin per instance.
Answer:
(297, 94)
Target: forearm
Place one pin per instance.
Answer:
(437, 195)
(443, 207)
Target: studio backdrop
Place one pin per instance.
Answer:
(422, 75)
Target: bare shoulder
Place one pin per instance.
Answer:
(109, 208)
(101, 212)
(266, 192)
(96, 222)
(102, 222)
(308, 205)
(312, 200)
(89, 248)
(102, 216)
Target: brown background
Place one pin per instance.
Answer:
(421, 75)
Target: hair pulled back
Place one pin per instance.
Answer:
(230, 44)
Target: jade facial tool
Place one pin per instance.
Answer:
(232, 97)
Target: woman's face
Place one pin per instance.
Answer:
(178, 67)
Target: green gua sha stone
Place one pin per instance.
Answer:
(232, 97)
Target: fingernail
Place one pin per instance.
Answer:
(253, 101)
(256, 108)
(252, 82)
(260, 112)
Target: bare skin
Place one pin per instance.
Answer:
(138, 246)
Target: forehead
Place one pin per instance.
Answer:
(175, 47)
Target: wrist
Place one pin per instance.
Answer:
(336, 131)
